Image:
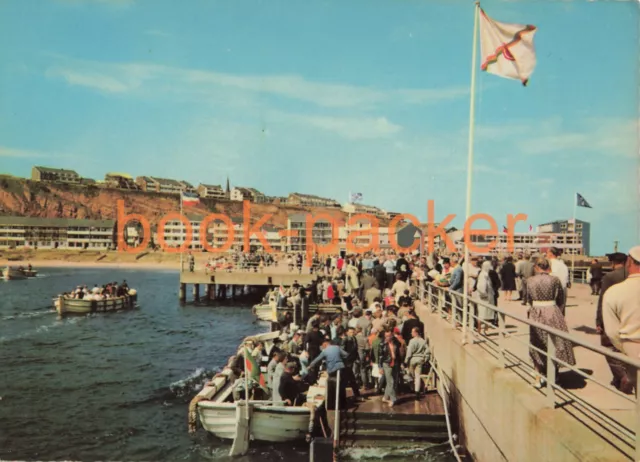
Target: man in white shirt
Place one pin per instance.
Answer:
(621, 312)
(559, 270)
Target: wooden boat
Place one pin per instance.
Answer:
(11, 274)
(67, 305)
(30, 273)
(265, 311)
(261, 420)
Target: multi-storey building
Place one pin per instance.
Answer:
(523, 242)
(364, 209)
(120, 181)
(209, 191)
(163, 185)
(55, 233)
(321, 233)
(578, 233)
(58, 175)
(308, 200)
(241, 194)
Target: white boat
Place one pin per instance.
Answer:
(218, 413)
(265, 312)
(67, 305)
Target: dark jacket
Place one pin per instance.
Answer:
(350, 345)
(408, 325)
(614, 277)
(288, 388)
(596, 272)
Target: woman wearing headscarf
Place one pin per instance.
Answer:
(486, 294)
(545, 293)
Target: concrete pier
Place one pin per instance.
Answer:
(196, 292)
(502, 417)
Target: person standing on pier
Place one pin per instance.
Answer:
(559, 270)
(545, 293)
(617, 275)
(418, 355)
(524, 272)
(389, 363)
(508, 276)
(192, 262)
(621, 312)
(596, 277)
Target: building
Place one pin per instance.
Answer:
(309, 200)
(163, 185)
(297, 238)
(208, 191)
(120, 181)
(354, 209)
(258, 197)
(532, 243)
(241, 194)
(57, 175)
(55, 233)
(578, 233)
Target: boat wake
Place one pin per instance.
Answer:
(40, 330)
(192, 384)
(30, 314)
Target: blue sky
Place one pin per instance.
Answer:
(328, 97)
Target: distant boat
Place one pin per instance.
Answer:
(11, 274)
(67, 305)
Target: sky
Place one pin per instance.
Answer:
(332, 97)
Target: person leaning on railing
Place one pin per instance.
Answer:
(545, 293)
(618, 369)
(621, 312)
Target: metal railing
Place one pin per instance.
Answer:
(449, 305)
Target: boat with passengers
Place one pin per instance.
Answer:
(110, 297)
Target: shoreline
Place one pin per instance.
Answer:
(37, 264)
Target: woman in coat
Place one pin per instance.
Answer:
(508, 276)
(485, 293)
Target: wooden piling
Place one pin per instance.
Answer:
(182, 295)
(196, 293)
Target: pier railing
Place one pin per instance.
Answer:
(449, 305)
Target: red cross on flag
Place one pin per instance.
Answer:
(507, 49)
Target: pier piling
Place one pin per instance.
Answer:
(196, 293)
(182, 295)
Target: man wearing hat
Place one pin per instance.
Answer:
(617, 275)
(621, 312)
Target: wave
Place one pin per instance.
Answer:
(30, 314)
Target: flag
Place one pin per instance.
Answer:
(253, 370)
(189, 198)
(504, 229)
(507, 49)
(355, 197)
(530, 228)
(582, 202)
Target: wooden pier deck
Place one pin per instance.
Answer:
(268, 277)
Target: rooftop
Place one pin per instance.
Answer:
(56, 170)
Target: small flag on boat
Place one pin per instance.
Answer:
(355, 197)
(507, 49)
(253, 369)
(189, 198)
(582, 202)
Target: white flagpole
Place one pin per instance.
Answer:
(472, 115)
(575, 231)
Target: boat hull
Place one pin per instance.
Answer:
(12, 275)
(274, 424)
(80, 306)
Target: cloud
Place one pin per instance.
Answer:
(353, 128)
(131, 77)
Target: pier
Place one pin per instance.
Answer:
(215, 283)
(501, 415)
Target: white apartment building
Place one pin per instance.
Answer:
(364, 209)
(55, 233)
(208, 191)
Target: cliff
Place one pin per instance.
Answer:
(22, 197)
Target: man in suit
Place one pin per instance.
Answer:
(620, 378)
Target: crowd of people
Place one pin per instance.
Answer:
(104, 292)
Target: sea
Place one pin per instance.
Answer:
(116, 386)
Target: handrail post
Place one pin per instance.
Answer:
(551, 371)
(440, 301)
(336, 423)
(502, 338)
(430, 298)
(453, 303)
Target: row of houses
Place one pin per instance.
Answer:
(124, 181)
(62, 233)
